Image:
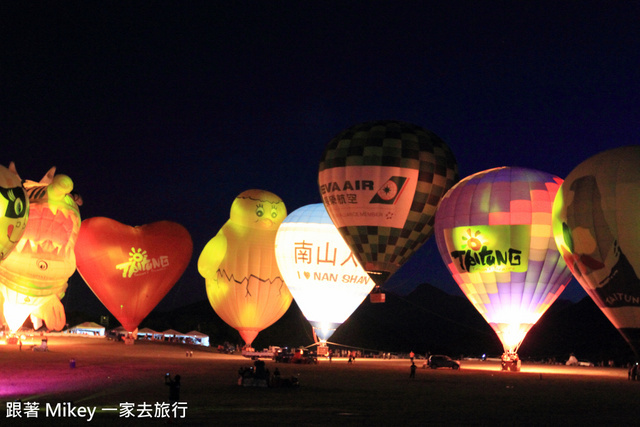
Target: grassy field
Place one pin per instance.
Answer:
(108, 375)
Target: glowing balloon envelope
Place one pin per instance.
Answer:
(130, 269)
(493, 231)
(14, 210)
(35, 274)
(319, 269)
(381, 182)
(597, 229)
(239, 265)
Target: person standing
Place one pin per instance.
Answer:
(413, 370)
(174, 387)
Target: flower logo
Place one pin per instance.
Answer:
(473, 241)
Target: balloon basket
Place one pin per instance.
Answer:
(377, 297)
(323, 349)
(510, 362)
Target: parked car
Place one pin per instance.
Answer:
(441, 361)
(283, 355)
(297, 356)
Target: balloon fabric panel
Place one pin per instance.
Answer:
(252, 302)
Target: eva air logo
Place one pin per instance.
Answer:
(390, 191)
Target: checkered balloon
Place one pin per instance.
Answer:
(381, 182)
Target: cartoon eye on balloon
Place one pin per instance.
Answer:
(14, 210)
(320, 270)
(597, 229)
(493, 231)
(381, 182)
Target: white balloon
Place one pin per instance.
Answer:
(319, 269)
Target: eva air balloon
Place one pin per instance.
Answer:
(596, 225)
(380, 183)
(494, 233)
(320, 270)
(243, 282)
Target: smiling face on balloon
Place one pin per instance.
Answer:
(258, 209)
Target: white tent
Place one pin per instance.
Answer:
(172, 335)
(119, 331)
(87, 328)
(198, 338)
(149, 334)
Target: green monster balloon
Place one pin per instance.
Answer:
(596, 226)
(381, 182)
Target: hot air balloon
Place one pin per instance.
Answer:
(14, 210)
(33, 278)
(493, 231)
(597, 229)
(239, 265)
(381, 182)
(320, 270)
(130, 269)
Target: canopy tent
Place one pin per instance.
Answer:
(87, 328)
(119, 332)
(149, 334)
(198, 338)
(172, 335)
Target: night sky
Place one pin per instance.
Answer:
(169, 110)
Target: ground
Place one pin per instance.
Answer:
(109, 374)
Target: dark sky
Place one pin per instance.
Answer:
(169, 110)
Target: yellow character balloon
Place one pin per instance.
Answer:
(33, 278)
(239, 265)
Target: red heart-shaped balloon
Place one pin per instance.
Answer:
(130, 269)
